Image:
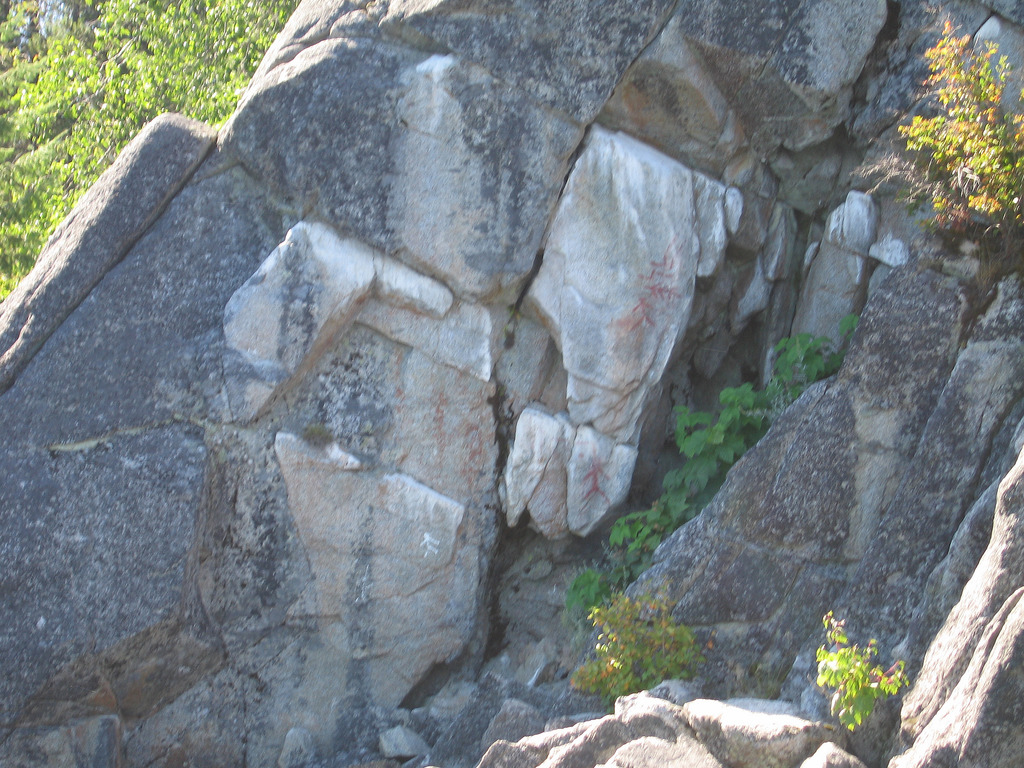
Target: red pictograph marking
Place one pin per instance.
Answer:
(593, 479)
(659, 288)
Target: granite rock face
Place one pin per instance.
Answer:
(309, 422)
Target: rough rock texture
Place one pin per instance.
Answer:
(964, 707)
(744, 75)
(277, 414)
(769, 556)
(646, 731)
(743, 734)
(633, 232)
(112, 216)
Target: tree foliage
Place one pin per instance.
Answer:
(857, 682)
(972, 152)
(79, 79)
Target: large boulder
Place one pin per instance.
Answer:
(725, 77)
(772, 552)
(111, 217)
(964, 707)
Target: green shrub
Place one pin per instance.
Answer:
(971, 155)
(639, 645)
(711, 445)
(857, 682)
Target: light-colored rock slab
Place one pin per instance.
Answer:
(648, 752)
(854, 224)
(599, 475)
(632, 232)
(383, 551)
(469, 202)
(535, 475)
(406, 288)
(742, 737)
(299, 750)
(890, 251)
(463, 339)
(836, 284)
(304, 294)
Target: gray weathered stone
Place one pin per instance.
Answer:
(818, 484)
(786, 67)
(514, 720)
(837, 283)
(568, 54)
(465, 338)
(105, 224)
(298, 751)
(940, 484)
(648, 751)
(669, 100)
(77, 582)
(1010, 9)
(399, 123)
(94, 742)
(402, 742)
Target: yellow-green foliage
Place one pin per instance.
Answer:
(857, 683)
(639, 645)
(76, 87)
(972, 152)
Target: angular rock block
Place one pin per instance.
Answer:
(429, 158)
(568, 478)
(633, 231)
(305, 293)
(385, 555)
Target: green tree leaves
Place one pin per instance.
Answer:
(971, 154)
(80, 80)
(857, 682)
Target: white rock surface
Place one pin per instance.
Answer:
(568, 478)
(633, 231)
(535, 475)
(831, 756)
(305, 293)
(463, 339)
(741, 735)
(854, 224)
(403, 287)
(890, 251)
(380, 544)
(600, 471)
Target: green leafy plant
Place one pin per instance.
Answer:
(638, 646)
(971, 154)
(710, 445)
(79, 79)
(849, 670)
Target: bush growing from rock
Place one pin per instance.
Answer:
(639, 645)
(848, 669)
(970, 156)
